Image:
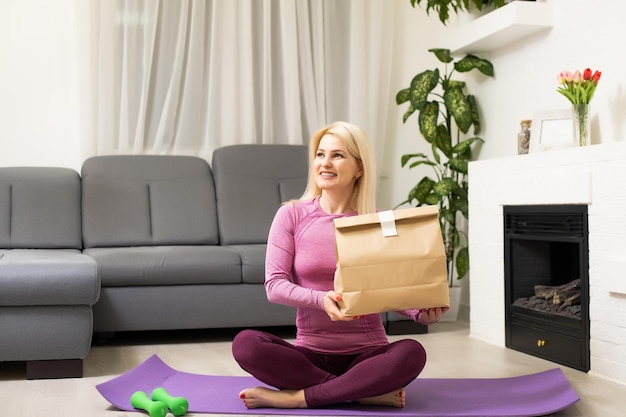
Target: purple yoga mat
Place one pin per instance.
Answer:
(522, 396)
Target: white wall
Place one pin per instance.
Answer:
(586, 33)
(38, 84)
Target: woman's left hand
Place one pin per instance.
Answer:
(431, 315)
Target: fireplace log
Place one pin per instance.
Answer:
(566, 297)
(574, 299)
(559, 293)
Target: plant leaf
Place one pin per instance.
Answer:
(458, 106)
(428, 121)
(409, 111)
(471, 62)
(462, 262)
(422, 159)
(443, 140)
(475, 116)
(462, 147)
(460, 197)
(461, 205)
(421, 86)
(424, 162)
(446, 214)
(404, 159)
(444, 187)
(422, 190)
(443, 55)
(444, 15)
(431, 199)
(458, 165)
(402, 96)
(435, 153)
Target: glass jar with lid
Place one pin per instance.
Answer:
(523, 137)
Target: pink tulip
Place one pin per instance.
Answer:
(578, 77)
(565, 76)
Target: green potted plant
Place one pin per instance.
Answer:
(445, 115)
(445, 7)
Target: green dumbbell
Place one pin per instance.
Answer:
(141, 401)
(177, 405)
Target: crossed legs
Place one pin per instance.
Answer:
(305, 379)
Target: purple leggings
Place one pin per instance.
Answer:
(328, 379)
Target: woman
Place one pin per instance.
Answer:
(334, 358)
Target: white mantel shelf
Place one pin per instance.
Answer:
(503, 26)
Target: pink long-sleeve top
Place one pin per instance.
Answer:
(299, 270)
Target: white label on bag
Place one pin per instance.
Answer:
(387, 223)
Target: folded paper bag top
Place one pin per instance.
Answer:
(389, 261)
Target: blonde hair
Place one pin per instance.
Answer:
(358, 145)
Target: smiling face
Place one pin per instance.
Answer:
(336, 169)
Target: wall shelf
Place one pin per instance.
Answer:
(501, 27)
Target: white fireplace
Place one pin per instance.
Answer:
(595, 176)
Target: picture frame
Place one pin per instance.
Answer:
(552, 129)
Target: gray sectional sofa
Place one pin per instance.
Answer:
(47, 285)
(165, 261)
(140, 242)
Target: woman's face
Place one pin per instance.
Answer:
(336, 168)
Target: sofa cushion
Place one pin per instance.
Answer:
(166, 265)
(252, 262)
(40, 208)
(42, 333)
(143, 200)
(30, 277)
(251, 181)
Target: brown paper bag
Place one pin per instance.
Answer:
(391, 260)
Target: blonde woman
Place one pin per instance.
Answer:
(334, 359)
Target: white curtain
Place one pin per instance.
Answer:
(188, 76)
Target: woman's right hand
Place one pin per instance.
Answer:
(332, 308)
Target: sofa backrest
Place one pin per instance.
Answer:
(251, 181)
(39, 208)
(148, 200)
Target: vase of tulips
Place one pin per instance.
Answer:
(579, 89)
(582, 124)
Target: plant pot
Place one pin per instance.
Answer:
(455, 304)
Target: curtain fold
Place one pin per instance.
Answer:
(188, 76)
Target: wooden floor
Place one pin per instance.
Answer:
(451, 354)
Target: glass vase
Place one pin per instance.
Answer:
(582, 125)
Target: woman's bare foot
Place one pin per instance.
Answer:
(265, 397)
(395, 398)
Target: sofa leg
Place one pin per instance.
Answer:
(64, 368)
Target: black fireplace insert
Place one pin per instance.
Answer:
(546, 261)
